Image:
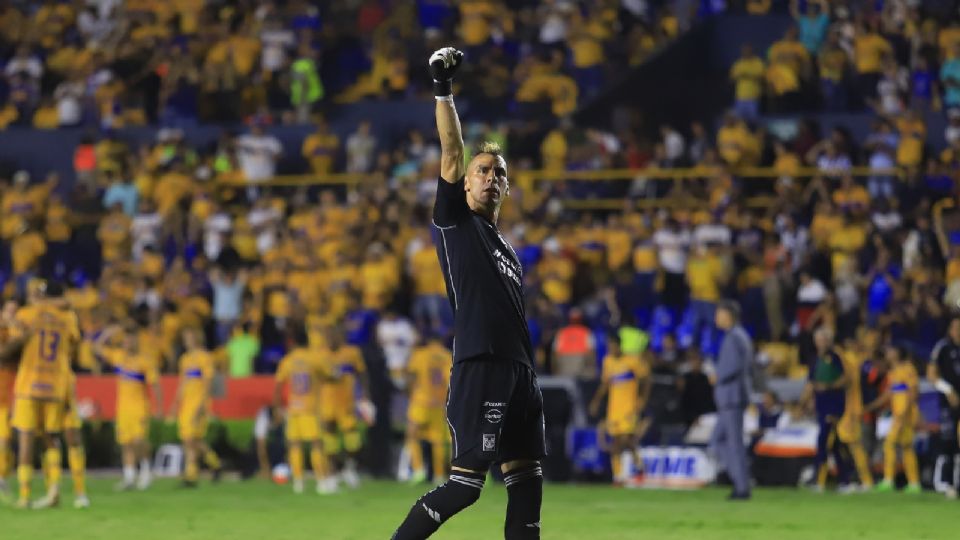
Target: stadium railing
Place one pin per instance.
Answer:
(532, 177)
(595, 175)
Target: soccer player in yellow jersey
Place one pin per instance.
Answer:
(191, 407)
(302, 372)
(428, 378)
(138, 379)
(901, 397)
(850, 426)
(70, 417)
(51, 334)
(627, 380)
(339, 400)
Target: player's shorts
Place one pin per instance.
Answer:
(620, 425)
(71, 416)
(302, 427)
(5, 431)
(495, 413)
(850, 428)
(191, 425)
(133, 424)
(342, 420)
(38, 416)
(430, 422)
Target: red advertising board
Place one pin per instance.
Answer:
(244, 397)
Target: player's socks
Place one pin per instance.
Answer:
(129, 476)
(318, 463)
(910, 467)
(146, 475)
(524, 497)
(191, 471)
(53, 461)
(626, 465)
(440, 504)
(617, 466)
(24, 477)
(350, 476)
(212, 460)
(889, 459)
(77, 459)
(296, 462)
(822, 475)
(862, 465)
(6, 459)
(416, 456)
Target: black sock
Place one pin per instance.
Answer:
(524, 496)
(440, 504)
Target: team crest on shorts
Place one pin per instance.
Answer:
(493, 416)
(489, 442)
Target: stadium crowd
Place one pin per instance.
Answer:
(116, 64)
(888, 57)
(157, 231)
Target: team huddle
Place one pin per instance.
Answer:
(327, 402)
(42, 342)
(323, 377)
(327, 387)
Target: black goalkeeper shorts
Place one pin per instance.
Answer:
(495, 413)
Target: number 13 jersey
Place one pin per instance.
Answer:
(53, 333)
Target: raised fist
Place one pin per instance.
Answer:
(444, 63)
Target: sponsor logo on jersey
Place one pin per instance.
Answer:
(494, 416)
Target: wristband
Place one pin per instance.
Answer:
(444, 98)
(442, 88)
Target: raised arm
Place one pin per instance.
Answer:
(795, 9)
(444, 64)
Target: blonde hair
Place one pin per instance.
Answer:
(489, 147)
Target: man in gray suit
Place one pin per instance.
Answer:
(731, 395)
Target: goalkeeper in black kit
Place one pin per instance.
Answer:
(494, 405)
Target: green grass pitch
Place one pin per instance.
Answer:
(258, 510)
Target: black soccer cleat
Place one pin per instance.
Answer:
(739, 496)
